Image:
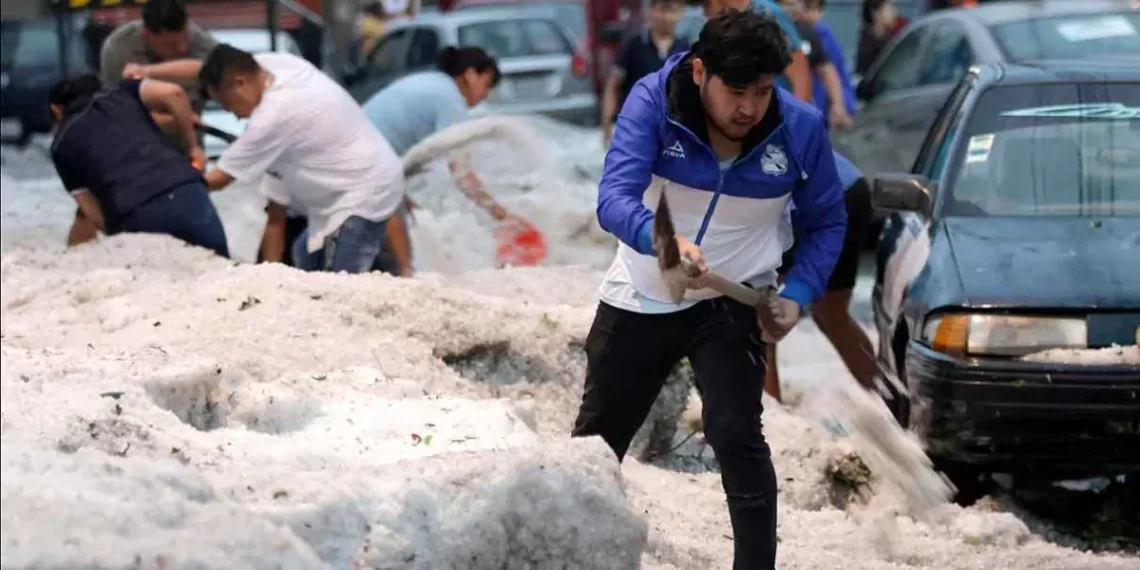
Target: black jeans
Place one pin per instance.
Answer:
(629, 355)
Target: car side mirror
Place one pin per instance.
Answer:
(903, 193)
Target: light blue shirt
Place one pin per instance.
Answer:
(415, 107)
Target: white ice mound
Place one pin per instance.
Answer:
(91, 510)
(554, 506)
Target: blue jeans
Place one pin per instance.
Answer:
(185, 212)
(357, 246)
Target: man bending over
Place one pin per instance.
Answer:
(320, 153)
(124, 172)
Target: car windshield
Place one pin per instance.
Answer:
(1050, 150)
(515, 38)
(1070, 37)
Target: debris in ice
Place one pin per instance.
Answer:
(892, 454)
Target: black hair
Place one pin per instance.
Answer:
(455, 61)
(72, 89)
(869, 9)
(739, 47)
(161, 16)
(659, 2)
(815, 4)
(224, 61)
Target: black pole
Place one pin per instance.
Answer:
(271, 16)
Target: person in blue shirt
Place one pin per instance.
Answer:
(832, 313)
(731, 151)
(421, 104)
(811, 12)
(126, 174)
(797, 76)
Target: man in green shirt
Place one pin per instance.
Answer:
(164, 34)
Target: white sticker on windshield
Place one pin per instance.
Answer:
(978, 148)
(1096, 29)
(1110, 111)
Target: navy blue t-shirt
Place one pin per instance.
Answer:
(639, 57)
(110, 146)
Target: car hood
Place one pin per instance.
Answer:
(1047, 262)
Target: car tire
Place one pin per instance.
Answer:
(972, 483)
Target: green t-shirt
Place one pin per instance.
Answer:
(125, 45)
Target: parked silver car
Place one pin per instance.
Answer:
(544, 70)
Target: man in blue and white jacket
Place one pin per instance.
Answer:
(732, 152)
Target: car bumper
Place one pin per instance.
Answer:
(1013, 415)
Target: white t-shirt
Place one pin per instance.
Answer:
(322, 154)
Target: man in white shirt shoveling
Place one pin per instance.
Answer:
(320, 154)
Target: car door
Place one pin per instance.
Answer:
(903, 96)
(383, 64)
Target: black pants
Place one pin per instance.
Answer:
(629, 355)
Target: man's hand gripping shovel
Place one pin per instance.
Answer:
(681, 272)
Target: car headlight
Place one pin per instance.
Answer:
(1003, 335)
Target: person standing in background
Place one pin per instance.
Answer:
(310, 35)
(843, 102)
(832, 313)
(373, 22)
(421, 104)
(825, 76)
(881, 23)
(797, 76)
(642, 54)
(165, 34)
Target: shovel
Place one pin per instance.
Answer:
(677, 270)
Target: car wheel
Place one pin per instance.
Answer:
(971, 482)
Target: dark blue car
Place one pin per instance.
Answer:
(1007, 294)
(30, 64)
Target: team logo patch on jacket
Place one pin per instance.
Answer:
(774, 161)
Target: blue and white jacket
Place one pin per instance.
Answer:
(739, 216)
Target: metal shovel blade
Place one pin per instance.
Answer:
(673, 271)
